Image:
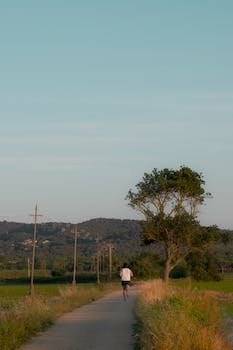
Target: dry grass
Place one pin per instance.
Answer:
(175, 319)
(26, 317)
(153, 291)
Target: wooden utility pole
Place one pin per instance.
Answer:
(29, 272)
(33, 252)
(110, 246)
(98, 262)
(75, 255)
(102, 262)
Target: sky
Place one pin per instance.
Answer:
(93, 94)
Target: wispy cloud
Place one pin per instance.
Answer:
(49, 163)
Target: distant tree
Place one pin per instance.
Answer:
(203, 265)
(169, 199)
(223, 251)
(146, 265)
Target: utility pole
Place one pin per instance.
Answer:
(103, 262)
(33, 252)
(75, 255)
(98, 262)
(29, 272)
(110, 246)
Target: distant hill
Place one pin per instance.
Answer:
(110, 229)
(55, 240)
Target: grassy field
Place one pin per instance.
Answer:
(229, 309)
(22, 316)
(15, 291)
(16, 274)
(225, 285)
(220, 287)
(171, 318)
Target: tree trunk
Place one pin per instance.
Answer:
(167, 270)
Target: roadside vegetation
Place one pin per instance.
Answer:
(22, 317)
(221, 291)
(174, 318)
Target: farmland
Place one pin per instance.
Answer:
(225, 285)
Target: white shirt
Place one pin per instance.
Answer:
(126, 274)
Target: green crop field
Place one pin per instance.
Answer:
(226, 285)
(14, 291)
(15, 284)
(17, 291)
(17, 274)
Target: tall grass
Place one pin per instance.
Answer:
(175, 319)
(22, 318)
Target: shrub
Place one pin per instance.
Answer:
(146, 265)
(203, 266)
(179, 272)
(58, 272)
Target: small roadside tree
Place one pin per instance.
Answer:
(169, 199)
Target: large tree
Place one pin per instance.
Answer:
(169, 200)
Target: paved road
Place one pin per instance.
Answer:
(102, 325)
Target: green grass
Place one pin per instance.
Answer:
(225, 285)
(16, 274)
(16, 291)
(229, 309)
(13, 291)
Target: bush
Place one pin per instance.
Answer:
(58, 272)
(146, 265)
(203, 266)
(179, 272)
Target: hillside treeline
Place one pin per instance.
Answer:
(55, 241)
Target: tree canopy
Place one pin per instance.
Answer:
(170, 200)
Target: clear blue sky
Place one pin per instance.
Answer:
(95, 93)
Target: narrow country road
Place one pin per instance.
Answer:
(105, 324)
